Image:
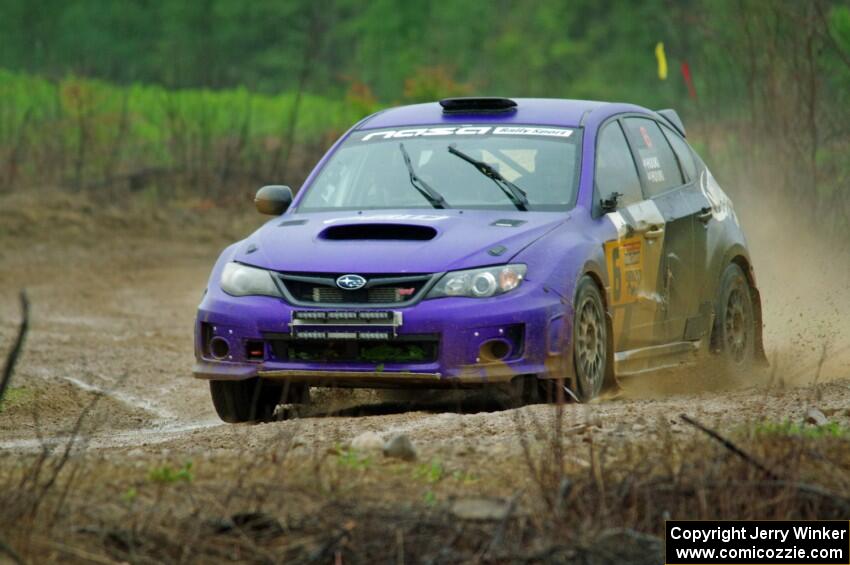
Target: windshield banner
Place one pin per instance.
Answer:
(467, 130)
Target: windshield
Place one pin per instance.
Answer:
(525, 167)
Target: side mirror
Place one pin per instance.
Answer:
(273, 199)
(610, 204)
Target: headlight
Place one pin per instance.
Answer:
(479, 283)
(242, 280)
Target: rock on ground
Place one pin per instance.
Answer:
(400, 447)
(367, 441)
(481, 508)
(816, 417)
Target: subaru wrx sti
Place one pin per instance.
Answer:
(482, 242)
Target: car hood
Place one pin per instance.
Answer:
(403, 241)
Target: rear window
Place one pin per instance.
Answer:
(683, 152)
(656, 160)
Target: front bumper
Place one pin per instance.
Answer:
(533, 321)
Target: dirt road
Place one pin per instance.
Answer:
(114, 293)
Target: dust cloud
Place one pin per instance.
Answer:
(804, 278)
(803, 275)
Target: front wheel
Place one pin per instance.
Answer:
(590, 340)
(253, 400)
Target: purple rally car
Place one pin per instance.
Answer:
(482, 241)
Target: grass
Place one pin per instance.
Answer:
(388, 506)
(83, 133)
(15, 396)
(166, 475)
(350, 458)
(788, 428)
(431, 472)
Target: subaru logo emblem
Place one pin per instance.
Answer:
(350, 282)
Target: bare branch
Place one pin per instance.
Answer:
(10, 553)
(730, 446)
(12, 358)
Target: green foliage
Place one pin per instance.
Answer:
(465, 477)
(429, 498)
(415, 49)
(84, 132)
(218, 96)
(432, 472)
(798, 429)
(350, 458)
(432, 83)
(167, 475)
(412, 50)
(130, 495)
(14, 396)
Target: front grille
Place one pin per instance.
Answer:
(420, 348)
(380, 289)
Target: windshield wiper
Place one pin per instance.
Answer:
(435, 198)
(512, 191)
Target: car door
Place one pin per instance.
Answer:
(633, 258)
(700, 208)
(664, 185)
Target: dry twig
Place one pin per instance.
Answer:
(730, 446)
(12, 358)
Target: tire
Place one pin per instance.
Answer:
(252, 400)
(521, 391)
(295, 393)
(734, 333)
(590, 341)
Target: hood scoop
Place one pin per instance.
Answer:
(402, 232)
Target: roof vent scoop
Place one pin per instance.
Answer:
(483, 105)
(398, 232)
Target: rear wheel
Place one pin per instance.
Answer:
(253, 400)
(590, 340)
(734, 324)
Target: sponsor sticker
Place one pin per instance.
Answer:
(655, 175)
(624, 258)
(467, 130)
(646, 139)
(320, 316)
(652, 166)
(651, 163)
(342, 334)
(549, 132)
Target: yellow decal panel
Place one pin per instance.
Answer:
(625, 260)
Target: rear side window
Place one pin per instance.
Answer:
(655, 157)
(683, 152)
(615, 167)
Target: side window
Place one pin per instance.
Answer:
(615, 167)
(655, 157)
(683, 152)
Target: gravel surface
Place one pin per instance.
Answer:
(113, 307)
